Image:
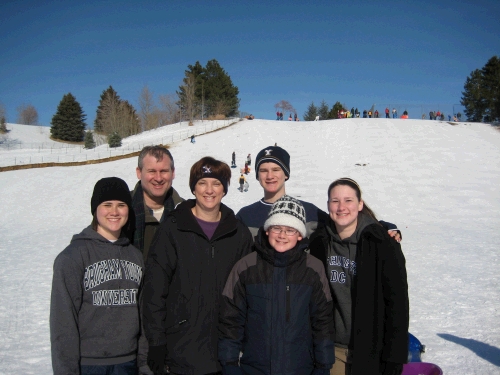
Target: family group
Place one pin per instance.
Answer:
(158, 284)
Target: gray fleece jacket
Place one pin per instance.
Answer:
(341, 273)
(94, 309)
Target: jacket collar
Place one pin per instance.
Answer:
(187, 221)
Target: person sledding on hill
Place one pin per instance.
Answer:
(242, 181)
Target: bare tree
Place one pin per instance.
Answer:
(149, 111)
(285, 106)
(27, 114)
(168, 109)
(221, 107)
(190, 98)
(3, 111)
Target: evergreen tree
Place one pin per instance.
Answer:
(334, 112)
(116, 115)
(323, 111)
(481, 95)
(311, 113)
(491, 89)
(89, 139)
(114, 140)
(105, 119)
(472, 99)
(68, 124)
(212, 87)
(3, 125)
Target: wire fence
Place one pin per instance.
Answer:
(35, 153)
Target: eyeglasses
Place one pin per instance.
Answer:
(288, 231)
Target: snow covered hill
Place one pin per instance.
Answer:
(437, 182)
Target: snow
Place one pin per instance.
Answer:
(437, 182)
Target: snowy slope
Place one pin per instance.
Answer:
(437, 182)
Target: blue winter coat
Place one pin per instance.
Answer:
(277, 310)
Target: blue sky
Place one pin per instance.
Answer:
(414, 54)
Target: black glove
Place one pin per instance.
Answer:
(391, 368)
(156, 359)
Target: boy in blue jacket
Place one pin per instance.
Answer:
(277, 307)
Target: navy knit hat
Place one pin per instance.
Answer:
(273, 154)
(110, 189)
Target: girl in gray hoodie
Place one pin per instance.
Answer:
(94, 312)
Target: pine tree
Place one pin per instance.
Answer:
(212, 87)
(89, 139)
(116, 115)
(114, 140)
(68, 124)
(323, 111)
(334, 112)
(491, 89)
(311, 113)
(3, 126)
(472, 98)
(481, 95)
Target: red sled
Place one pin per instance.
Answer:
(421, 368)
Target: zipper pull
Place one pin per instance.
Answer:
(213, 252)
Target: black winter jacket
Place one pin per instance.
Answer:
(183, 282)
(380, 298)
(277, 310)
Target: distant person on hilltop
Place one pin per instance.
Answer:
(290, 117)
(295, 117)
(365, 114)
(95, 310)
(386, 112)
(233, 159)
(394, 113)
(277, 115)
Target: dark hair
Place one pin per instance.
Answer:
(158, 152)
(346, 181)
(210, 167)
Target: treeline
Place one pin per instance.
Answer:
(205, 92)
(323, 111)
(481, 95)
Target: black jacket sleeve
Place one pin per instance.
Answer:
(395, 292)
(160, 266)
(322, 324)
(232, 317)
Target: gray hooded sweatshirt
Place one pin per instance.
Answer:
(94, 309)
(341, 274)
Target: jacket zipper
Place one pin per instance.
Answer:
(288, 303)
(177, 324)
(213, 252)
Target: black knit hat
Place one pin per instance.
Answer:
(110, 189)
(273, 154)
